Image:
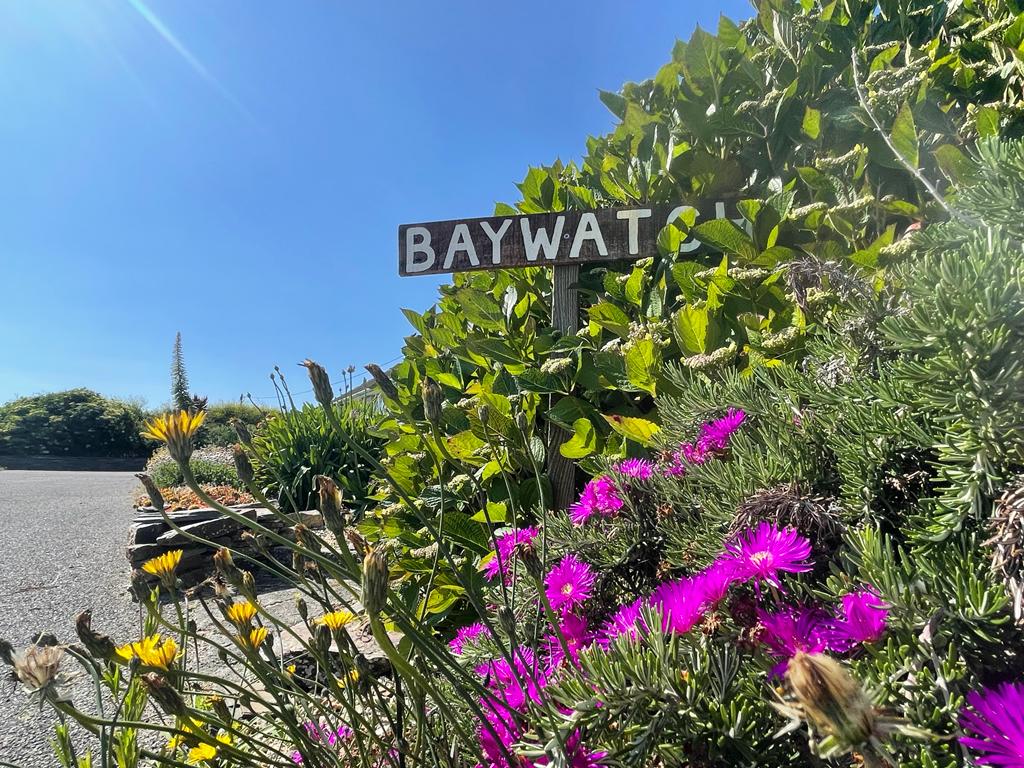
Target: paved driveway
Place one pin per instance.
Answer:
(62, 538)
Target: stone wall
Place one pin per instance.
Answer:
(150, 536)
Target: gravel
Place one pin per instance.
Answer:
(61, 551)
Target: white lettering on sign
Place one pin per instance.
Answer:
(587, 229)
(533, 244)
(417, 240)
(461, 241)
(495, 238)
(740, 222)
(633, 217)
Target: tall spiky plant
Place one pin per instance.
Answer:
(180, 395)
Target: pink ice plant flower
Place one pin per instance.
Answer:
(465, 635)
(762, 553)
(715, 435)
(600, 497)
(715, 580)
(681, 603)
(513, 686)
(569, 584)
(576, 633)
(638, 469)
(862, 621)
(993, 725)
(627, 620)
(505, 552)
(792, 629)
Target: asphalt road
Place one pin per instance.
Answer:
(62, 539)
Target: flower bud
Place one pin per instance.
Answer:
(527, 554)
(522, 423)
(330, 504)
(98, 645)
(432, 400)
(242, 464)
(220, 707)
(301, 607)
(164, 694)
(375, 582)
(384, 383)
(831, 699)
(507, 620)
(484, 414)
(323, 638)
(156, 499)
(242, 430)
(358, 542)
(248, 585)
(322, 389)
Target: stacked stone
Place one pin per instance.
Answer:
(150, 536)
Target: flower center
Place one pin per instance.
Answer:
(761, 559)
(567, 589)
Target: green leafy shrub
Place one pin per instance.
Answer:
(212, 465)
(824, 121)
(217, 429)
(295, 445)
(77, 422)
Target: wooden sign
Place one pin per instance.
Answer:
(545, 239)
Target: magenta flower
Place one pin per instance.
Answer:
(715, 435)
(694, 454)
(599, 497)
(577, 635)
(513, 687)
(505, 552)
(681, 603)
(501, 730)
(297, 757)
(579, 757)
(464, 635)
(638, 469)
(715, 580)
(793, 629)
(862, 620)
(764, 552)
(993, 723)
(569, 583)
(627, 620)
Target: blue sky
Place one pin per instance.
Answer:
(237, 170)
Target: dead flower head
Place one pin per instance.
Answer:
(38, 669)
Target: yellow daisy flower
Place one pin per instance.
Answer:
(176, 430)
(202, 753)
(336, 619)
(241, 613)
(151, 651)
(254, 639)
(163, 566)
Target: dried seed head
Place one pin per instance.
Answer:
(98, 645)
(38, 668)
(322, 389)
(375, 582)
(330, 504)
(384, 383)
(242, 464)
(358, 542)
(433, 398)
(225, 565)
(831, 699)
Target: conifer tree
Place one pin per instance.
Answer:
(180, 396)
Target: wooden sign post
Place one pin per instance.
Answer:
(562, 240)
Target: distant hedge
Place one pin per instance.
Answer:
(217, 429)
(77, 422)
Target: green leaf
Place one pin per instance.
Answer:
(633, 428)
(635, 287)
(496, 512)
(615, 103)
(987, 121)
(464, 445)
(643, 359)
(458, 527)
(954, 163)
(495, 349)
(690, 325)
(608, 316)
(582, 443)
(724, 235)
(568, 410)
(480, 309)
(812, 123)
(904, 136)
